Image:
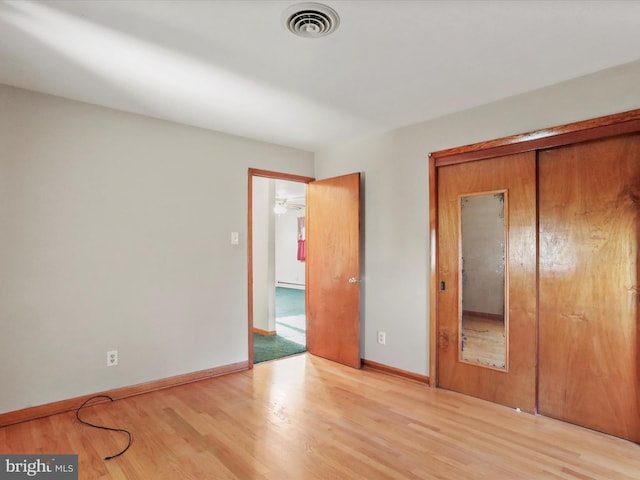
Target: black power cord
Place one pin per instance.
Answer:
(103, 427)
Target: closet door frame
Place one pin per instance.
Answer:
(593, 129)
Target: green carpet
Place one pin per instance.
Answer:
(271, 347)
(289, 302)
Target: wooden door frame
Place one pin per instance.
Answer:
(255, 172)
(593, 129)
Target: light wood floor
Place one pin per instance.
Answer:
(307, 418)
(484, 340)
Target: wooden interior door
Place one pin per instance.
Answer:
(589, 337)
(516, 174)
(333, 269)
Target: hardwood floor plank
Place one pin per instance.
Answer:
(307, 418)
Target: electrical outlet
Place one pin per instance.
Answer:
(382, 338)
(112, 358)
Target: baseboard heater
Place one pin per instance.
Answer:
(299, 286)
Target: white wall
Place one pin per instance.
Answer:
(289, 269)
(115, 234)
(396, 218)
(264, 258)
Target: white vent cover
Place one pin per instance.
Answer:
(311, 20)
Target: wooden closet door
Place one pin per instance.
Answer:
(516, 174)
(589, 340)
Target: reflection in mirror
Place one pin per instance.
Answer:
(483, 328)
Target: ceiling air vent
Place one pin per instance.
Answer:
(311, 20)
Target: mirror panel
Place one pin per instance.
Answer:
(483, 300)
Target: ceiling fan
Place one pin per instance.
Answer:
(282, 204)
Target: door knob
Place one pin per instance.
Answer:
(354, 280)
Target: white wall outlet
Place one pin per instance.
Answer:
(382, 338)
(112, 358)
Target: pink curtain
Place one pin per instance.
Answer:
(301, 254)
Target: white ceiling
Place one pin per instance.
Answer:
(231, 66)
(294, 192)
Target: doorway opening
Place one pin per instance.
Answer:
(277, 270)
